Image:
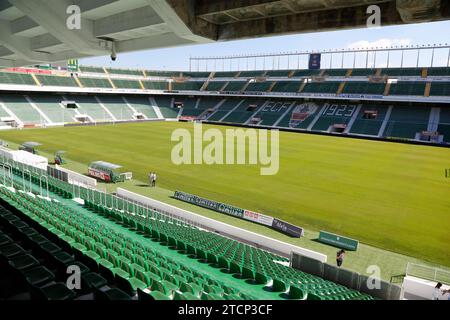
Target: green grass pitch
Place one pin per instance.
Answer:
(391, 196)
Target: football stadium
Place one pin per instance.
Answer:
(318, 174)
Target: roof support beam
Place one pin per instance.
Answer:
(180, 17)
(52, 16)
(21, 46)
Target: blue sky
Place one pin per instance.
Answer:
(177, 58)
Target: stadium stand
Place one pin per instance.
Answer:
(139, 252)
(408, 89)
(56, 81)
(327, 87)
(439, 72)
(406, 122)
(216, 85)
(126, 84)
(235, 86)
(278, 73)
(23, 110)
(52, 107)
(196, 74)
(244, 111)
(360, 87)
(142, 105)
(251, 74)
(301, 116)
(125, 72)
(224, 109)
(16, 78)
(287, 86)
(167, 108)
(117, 107)
(335, 73)
(91, 69)
(259, 86)
(187, 86)
(334, 114)
(163, 74)
(369, 120)
(95, 82)
(402, 72)
(444, 124)
(90, 106)
(272, 112)
(230, 74)
(155, 85)
(440, 89)
(363, 72)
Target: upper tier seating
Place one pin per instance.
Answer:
(215, 85)
(251, 74)
(126, 84)
(278, 73)
(95, 83)
(89, 69)
(287, 86)
(402, 72)
(364, 88)
(196, 74)
(335, 72)
(125, 72)
(363, 72)
(236, 86)
(407, 89)
(156, 85)
(245, 111)
(187, 86)
(57, 81)
(439, 72)
(259, 86)
(440, 89)
(163, 74)
(330, 87)
(16, 78)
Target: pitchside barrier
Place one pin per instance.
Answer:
(279, 225)
(78, 179)
(338, 241)
(350, 279)
(258, 240)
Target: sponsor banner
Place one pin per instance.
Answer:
(99, 174)
(315, 60)
(287, 228)
(29, 70)
(248, 215)
(258, 218)
(209, 204)
(338, 241)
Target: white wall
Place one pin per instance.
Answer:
(422, 288)
(78, 179)
(223, 228)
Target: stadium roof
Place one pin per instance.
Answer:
(36, 31)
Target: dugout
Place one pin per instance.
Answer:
(30, 147)
(108, 172)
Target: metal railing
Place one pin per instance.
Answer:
(428, 273)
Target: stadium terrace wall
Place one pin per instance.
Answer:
(257, 240)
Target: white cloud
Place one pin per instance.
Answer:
(381, 43)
